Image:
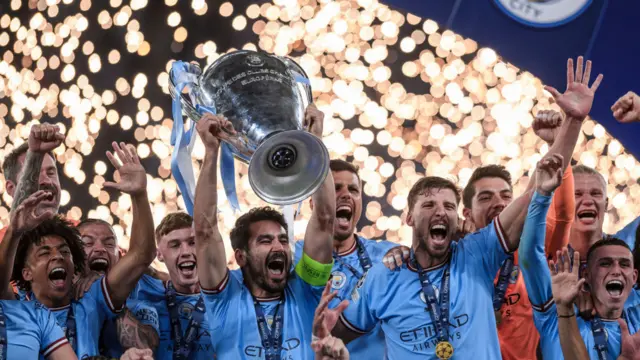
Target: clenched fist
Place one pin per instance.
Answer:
(547, 125)
(44, 138)
(627, 108)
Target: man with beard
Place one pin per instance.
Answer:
(261, 310)
(31, 166)
(137, 325)
(28, 329)
(184, 329)
(453, 280)
(45, 259)
(353, 255)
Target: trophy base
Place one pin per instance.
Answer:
(288, 167)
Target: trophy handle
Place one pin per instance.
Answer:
(191, 73)
(301, 77)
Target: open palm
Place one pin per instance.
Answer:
(565, 279)
(132, 176)
(325, 319)
(577, 99)
(24, 217)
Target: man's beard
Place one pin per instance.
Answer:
(254, 272)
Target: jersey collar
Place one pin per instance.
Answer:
(351, 249)
(445, 262)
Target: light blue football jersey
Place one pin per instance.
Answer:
(152, 292)
(535, 270)
(143, 312)
(628, 233)
(343, 280)
(90, 313)
(395, 299)
(32, 330)
(232, 316)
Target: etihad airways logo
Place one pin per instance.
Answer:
(428, 331)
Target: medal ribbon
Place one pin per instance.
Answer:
(599, 337)
(3, 334)
(182, 345)
(439, 314)
(363, 257)
(271, 339)
(71, 330)
(500, 288)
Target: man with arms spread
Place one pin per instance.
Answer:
(184, 329)
(261, 311)
(353, 255)
(137, 325)
(47, 258)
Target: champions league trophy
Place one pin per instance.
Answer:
(264, 97)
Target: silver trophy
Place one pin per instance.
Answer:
(265, 98)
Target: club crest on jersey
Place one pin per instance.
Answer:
(543, 13)
(513, 278)
(338, 280)
(185, 310)
(435, 290)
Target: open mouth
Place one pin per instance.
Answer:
(438, 232)
(615, 288)
(99, 265)
(344, 213)
(187, 267)
(587, 216)
(58, 276)
(276, 265)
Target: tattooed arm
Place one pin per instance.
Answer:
(42, 139)
(133, 334)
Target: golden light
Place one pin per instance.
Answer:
(474, 108)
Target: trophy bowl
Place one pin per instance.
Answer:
(264, 97)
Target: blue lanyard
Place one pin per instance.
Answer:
(439, 315)
(599, 337)
(182, 345)
(3, 334)
(271, 339)
(363, 257)
(500, 288)
(71, 332)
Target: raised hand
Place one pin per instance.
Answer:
(547, 124)
(44, 138)
(314, 120)
(330, 348)
(325, 319)
(133, 177)
(24, 218)
(212, 128)
(627, 108)
(565, 279)
(548, 174)
(630, 344)
(578, 97)
(394, 258)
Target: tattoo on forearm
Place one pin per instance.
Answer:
(131, 333)
(28, 183)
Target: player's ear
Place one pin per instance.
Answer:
(311, 204)
(241, 257)
(466, 212)
(11, 187)
(27, 275)
(409, 219)
(159, 255)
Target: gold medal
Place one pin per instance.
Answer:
(498, 314)
(444, 350)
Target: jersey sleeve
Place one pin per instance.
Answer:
(297, 254)
(531, 255)
(218, 300)
(546, 323)
(52, 338)
(561, 214)
(628, 233)
(359, 317)
(385, 246)
(486, 249)
(145, 313)
(99, 293)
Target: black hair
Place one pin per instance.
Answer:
(607, 241)
(241, 232)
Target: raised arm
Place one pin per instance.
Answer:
(566, 285)
(43, 138)
(531, 254)
(212, 260)
(318, 238)
(124, 275)
(22, 218)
